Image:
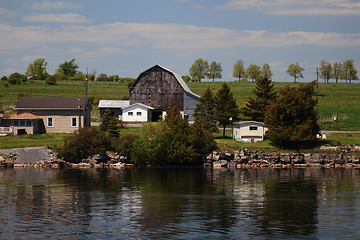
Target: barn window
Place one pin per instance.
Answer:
(253, 128)
(138, 114)
(130, 113)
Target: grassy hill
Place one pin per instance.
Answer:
(340, 98)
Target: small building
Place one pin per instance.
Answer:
(159, 88)
(59, 114)
(26, 123)
(115, 106)
(249, 131)
(137, 112)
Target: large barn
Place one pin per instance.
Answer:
(159, 87)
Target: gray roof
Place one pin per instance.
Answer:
(50, 103)
(141, 105)
(181, 82)
(178, 78)
(113, 104)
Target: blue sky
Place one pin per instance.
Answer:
(127, 37)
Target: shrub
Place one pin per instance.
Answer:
(17, 78)
(84, 143)
(51, 80)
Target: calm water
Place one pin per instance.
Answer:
(179, 203)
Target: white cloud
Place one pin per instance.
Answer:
(8, 13)
(28, 58)
(118, 36)
(46, 5)
(59, 18)
(294, 7)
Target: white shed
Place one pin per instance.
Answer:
(249, 131)
(137, 112)
(115, 106)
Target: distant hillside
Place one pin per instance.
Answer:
(340, 98)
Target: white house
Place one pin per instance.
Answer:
(249, 131)
(115, 106)
(137, 112)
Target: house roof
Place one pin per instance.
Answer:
(248, 122)
(177, 77)
(139, 104)
(52, 103)
(24, 116)
(113, 104)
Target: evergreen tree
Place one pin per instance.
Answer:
(292, 118)
(226, 110)
(110, 124)
(255, 108)
(204, 114)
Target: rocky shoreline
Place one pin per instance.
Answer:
(333, 157)
(260, 159)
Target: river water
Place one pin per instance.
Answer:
(179, 203)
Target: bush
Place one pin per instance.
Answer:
(84, 143)
(17, 78)
(51, 80)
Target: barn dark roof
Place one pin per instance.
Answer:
(177, 77)
(48, 103)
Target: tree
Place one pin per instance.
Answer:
(325, 70)
(84, 143)
(37, 69)
(292, 118)
(204, 115)
(51, 80)
(336, 70)
(253, 72)
(226, 110)
(266, 71)
(186, 78)
(349, 72)
(265, 94)
(214, 71)
(199, 69)
(69, 69)
(295, 71)
(239, 70)
(17, 78)
(110, 124)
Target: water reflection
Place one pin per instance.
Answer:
(162, 203)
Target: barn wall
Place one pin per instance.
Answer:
(158, 88)
(190, 102)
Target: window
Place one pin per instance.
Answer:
(130, 113)
(50, 122)
(28, 123)
(253, 128)
(138, 114)
(22, 123)
(74, 122)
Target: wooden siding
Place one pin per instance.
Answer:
(62, 119)
(158, 88)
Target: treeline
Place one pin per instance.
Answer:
(336, 70)
(199, 70)
(68, 70)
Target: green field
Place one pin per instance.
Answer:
(340, 98)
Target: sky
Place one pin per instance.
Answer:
(126, 37)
